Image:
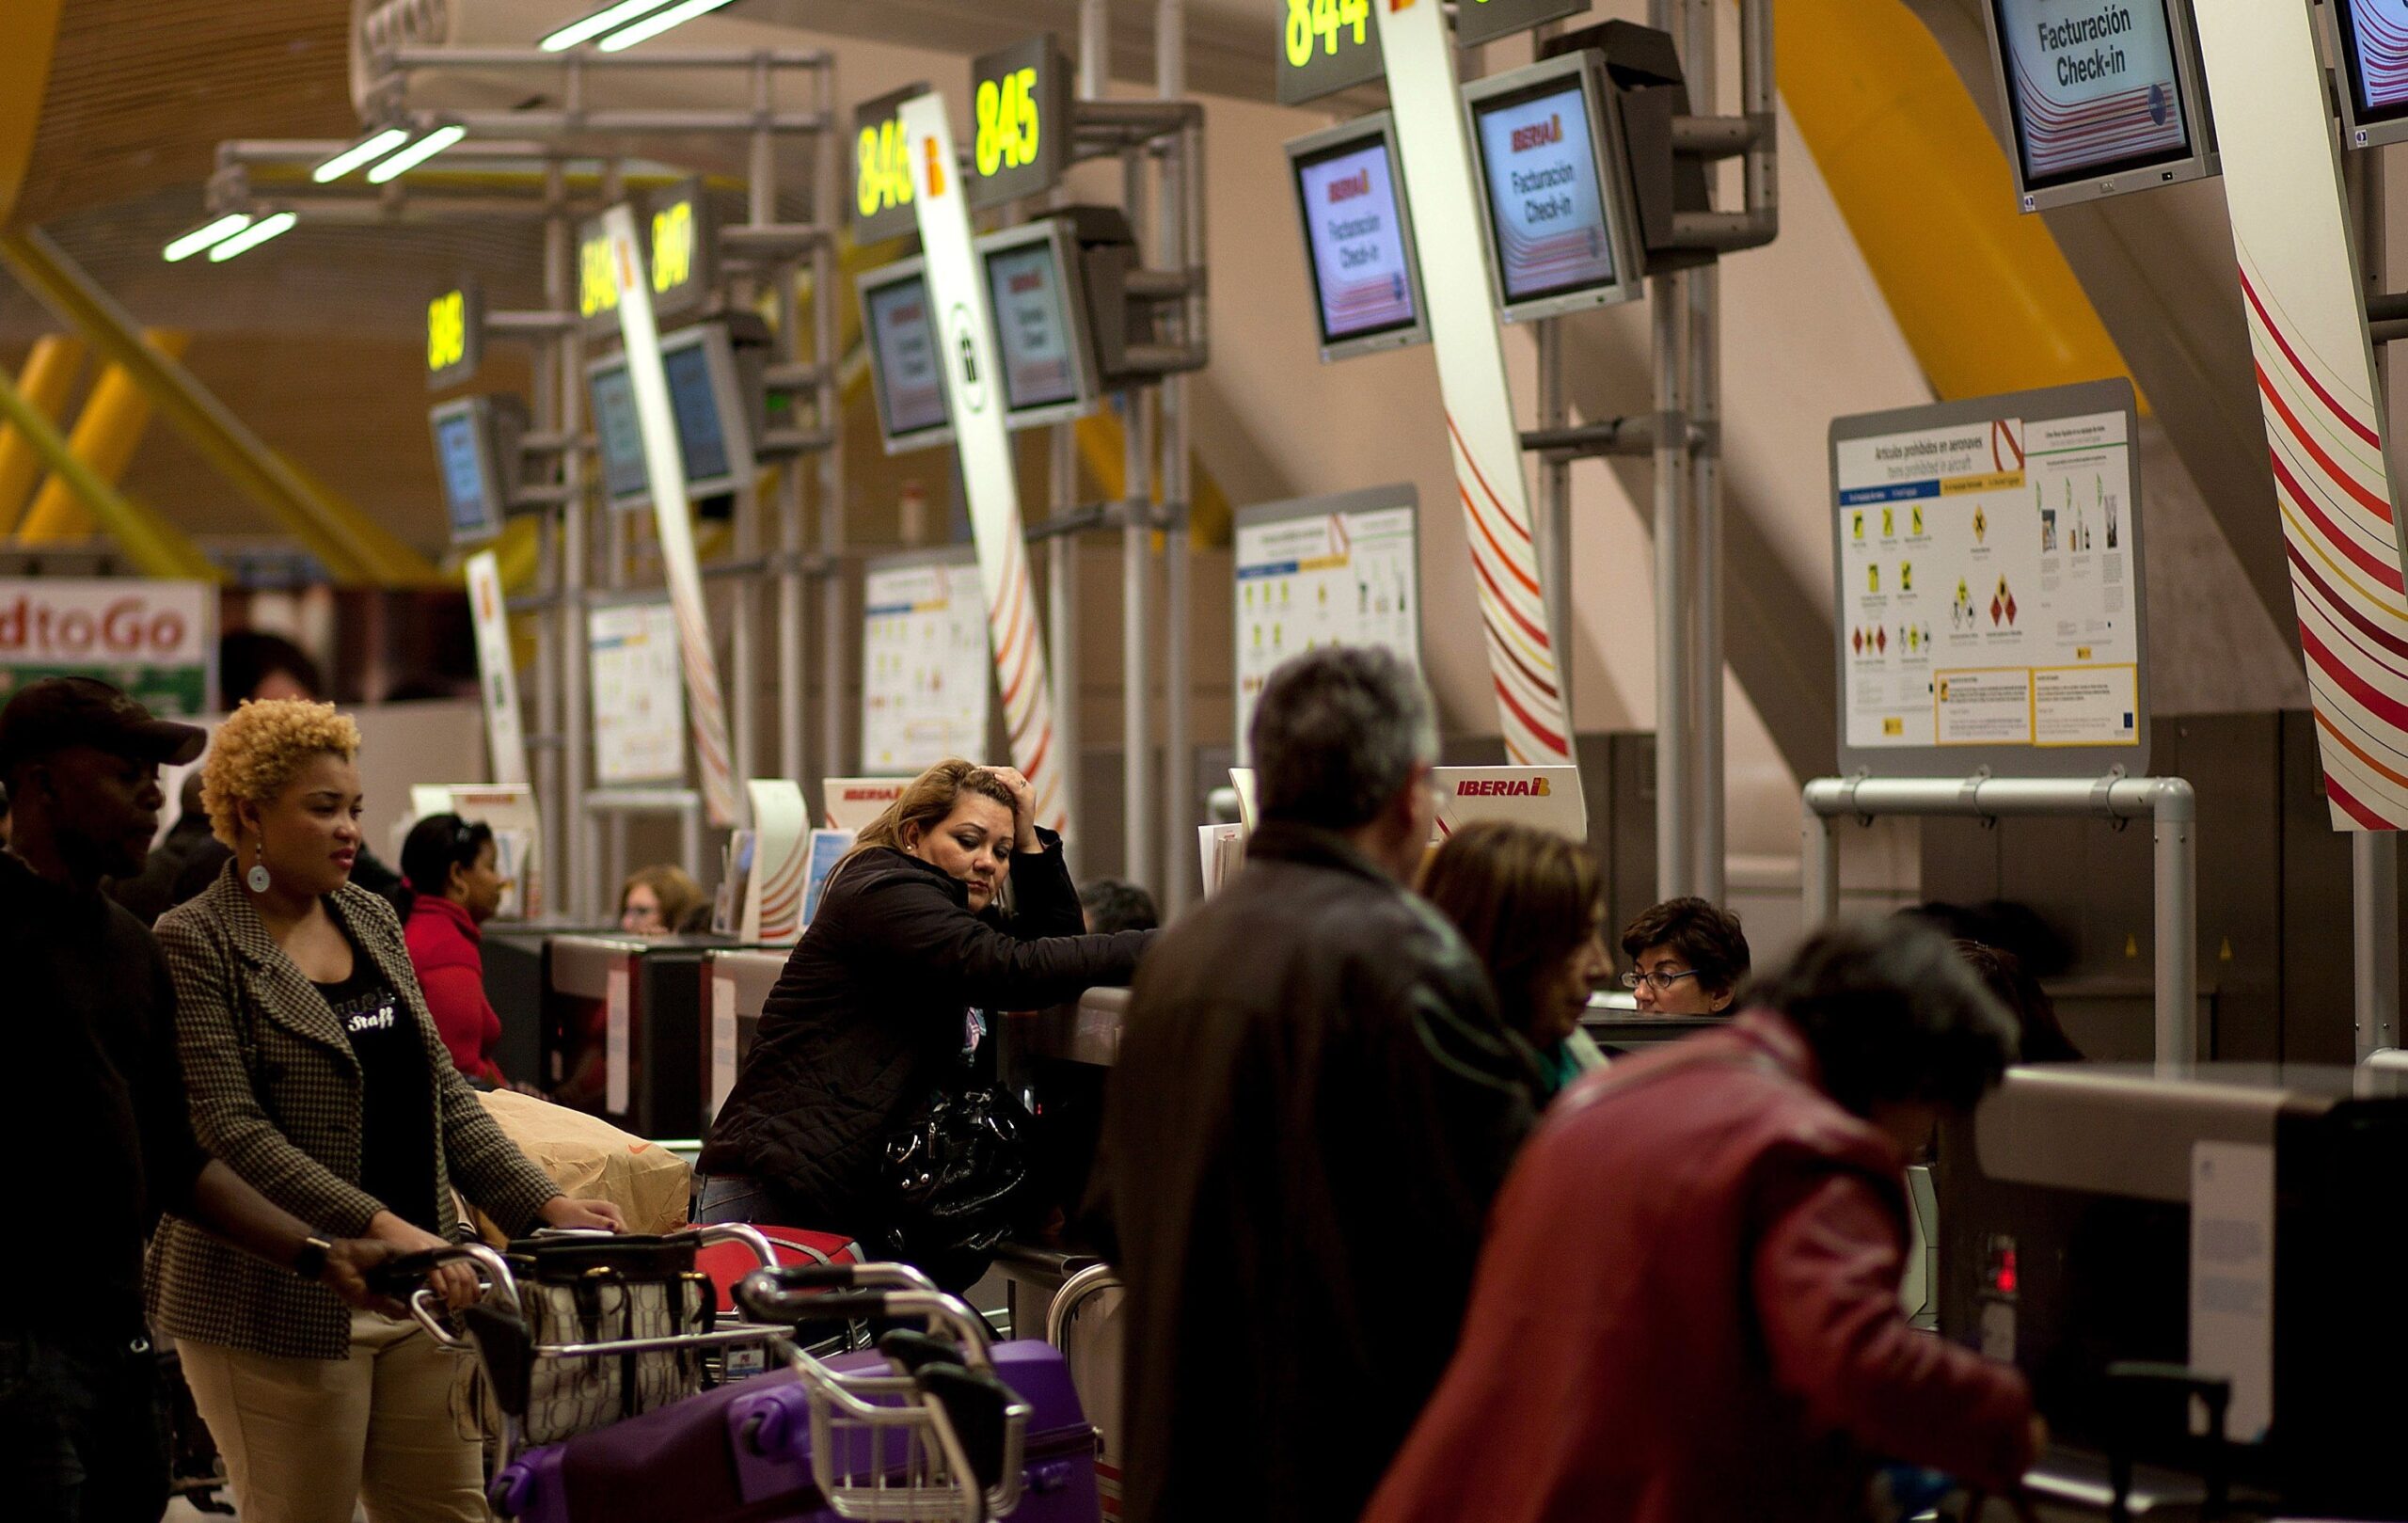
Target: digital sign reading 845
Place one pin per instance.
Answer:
(1021, 102)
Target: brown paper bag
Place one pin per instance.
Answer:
(591, 1159)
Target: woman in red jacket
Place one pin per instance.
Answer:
(1687, 1307)
(449, 864)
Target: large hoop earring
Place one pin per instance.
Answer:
(256, 877)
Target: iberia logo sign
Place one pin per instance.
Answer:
(1538, 134)
(1503, 788)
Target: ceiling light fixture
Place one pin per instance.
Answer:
(366, 151)
(590, 28)
(207, 233)
(417, 153)
(653, 26)
(253, 236)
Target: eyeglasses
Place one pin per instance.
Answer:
(1662, 980)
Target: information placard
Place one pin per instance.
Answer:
(1554, 183)
(155, 640)
(1338, 570)
(913, 412)
(1988, 557)
(927, 677)
(638, 700)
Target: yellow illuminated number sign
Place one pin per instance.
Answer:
(672, 246)
(1010, 127)
(597, 284)
(447, 330)
(1325, 24)
(882, 171)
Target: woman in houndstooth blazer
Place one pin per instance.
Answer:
(316, 1073)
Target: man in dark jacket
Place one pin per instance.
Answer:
(1314, 1104)
(1687, 1309)
(94, 1082)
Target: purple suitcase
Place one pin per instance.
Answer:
(742, 1453)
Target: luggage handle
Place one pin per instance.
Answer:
(402, 1275)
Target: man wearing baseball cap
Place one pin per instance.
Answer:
(92, 1084)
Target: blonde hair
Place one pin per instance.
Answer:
(673, 890)
(260, 748)
(928, 798)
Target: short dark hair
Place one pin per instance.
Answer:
(1113, 904)
(2044, 1038)
(1893, 1014)
(1705, 938)
(246, 657)
(437, 844)
(1337, 732)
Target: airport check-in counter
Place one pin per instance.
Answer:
(2244, 1222)
(736, 981)
(517, 962)
(623, 1029)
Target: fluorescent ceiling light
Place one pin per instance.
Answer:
(597, 24)
(253, 236)
(654, 24)
(359, 153)
(204, 236)
(417, 153)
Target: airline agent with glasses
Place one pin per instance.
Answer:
(1688, 959)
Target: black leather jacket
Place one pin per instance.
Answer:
(867, 1019)
(1315, 1102)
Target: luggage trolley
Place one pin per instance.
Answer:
(923, 1430)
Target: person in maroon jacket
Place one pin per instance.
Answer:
(449, 867)
(1687, 1307)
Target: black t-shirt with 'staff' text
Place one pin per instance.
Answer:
(397, 1099)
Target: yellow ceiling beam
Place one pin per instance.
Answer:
(106, 434)
(29, 30)
(156, 548)
(46, 382)
(1982, 292)
(353, 548)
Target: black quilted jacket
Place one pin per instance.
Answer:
(867, 1019)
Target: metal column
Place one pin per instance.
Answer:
(1675, 804)
(1138, 824)
(574, 872)
(2374, 855)
(1707, 851)
(1062, 626)
(1553, 525)
(1179, 802)
(826, 276)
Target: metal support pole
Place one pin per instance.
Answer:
(1553, 523)
(1138, 820)
(1062, 629)
(1708, 857)
(2374, 938)
(826, 196)
(2177, 930)
(1179, 806)
(1818, 869)
(574, 870)
(1675, 804)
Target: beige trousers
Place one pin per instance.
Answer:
(305, 1440)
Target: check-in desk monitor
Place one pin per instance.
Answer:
(735, 982)
(706, 397)
(1042, 331)
(903, 361)
(622, 1030)
(2371, 42)
(2246, 1221)
(1555, 188)
(1358, 238)
(2103, 96)
(468, 459)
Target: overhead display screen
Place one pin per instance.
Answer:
(2094, 86)
(903, 352)
(464, 459)
(1356, 241)
(620, 436)
(1547, 213)
(2374, 55)
(701, 435)
(1033, 324)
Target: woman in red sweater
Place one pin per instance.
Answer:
(449, 864)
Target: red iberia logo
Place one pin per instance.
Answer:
(1503, 788)
(1538, 133)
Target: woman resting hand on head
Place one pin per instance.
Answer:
(317, 1074)
(881, 1006)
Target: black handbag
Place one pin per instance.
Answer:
(956, 1180)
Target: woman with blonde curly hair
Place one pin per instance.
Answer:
(315, 1072)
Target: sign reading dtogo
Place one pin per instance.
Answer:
(156, 640)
